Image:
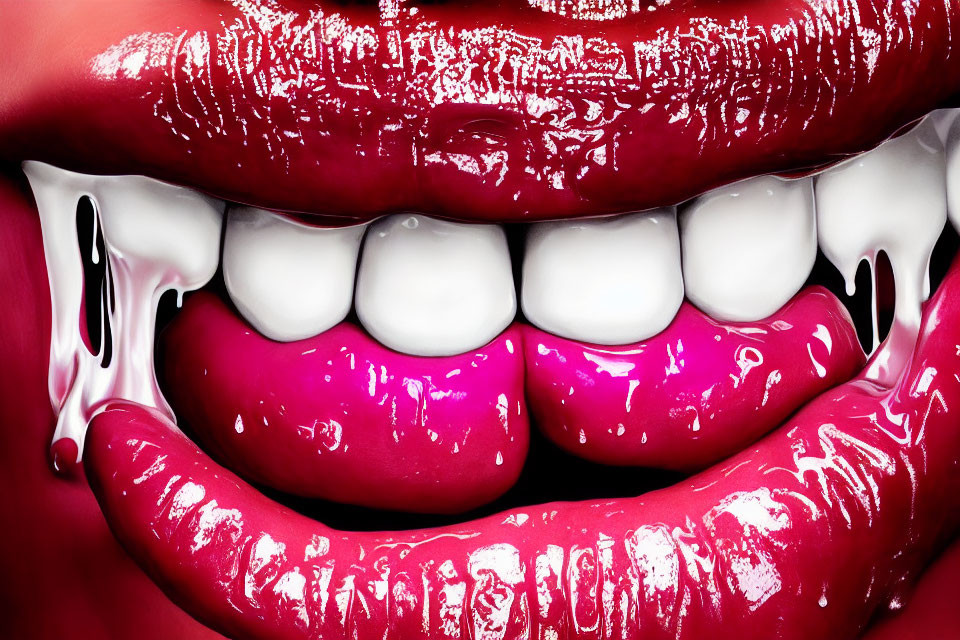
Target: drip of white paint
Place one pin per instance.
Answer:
(891, 199)
(157, 237)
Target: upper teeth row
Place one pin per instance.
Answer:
(431, 287)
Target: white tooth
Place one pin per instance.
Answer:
(608, 280)
(749, 247)
(953, 172)
(157, 237)
(288, 279)
(891, 199)
(434, 288)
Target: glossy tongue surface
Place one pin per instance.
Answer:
(157, 237)
(341, 417)
(694, 394)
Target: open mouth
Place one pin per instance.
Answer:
(421, 268)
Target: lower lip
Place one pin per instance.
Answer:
(862, 479)
(841, 482)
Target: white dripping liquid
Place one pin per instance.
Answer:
(157, 237)
(891, 199)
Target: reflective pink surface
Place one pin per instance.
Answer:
(802, 536)
(341, 417)
(488, 110)
(64, 574)
(694, 394)
(517, 114)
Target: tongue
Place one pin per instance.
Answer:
(157, 237)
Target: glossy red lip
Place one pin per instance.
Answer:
(497, 111)
(862, 480)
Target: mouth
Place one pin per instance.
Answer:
(419, 268)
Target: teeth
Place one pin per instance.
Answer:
(890, 199)
(289, 280)
(749, 247)
(953, 173)
(434, 288)
(607, 281)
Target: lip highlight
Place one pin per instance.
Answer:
(860, 479)
(492, 112)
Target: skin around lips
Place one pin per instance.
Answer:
(488, 111)
(862, 479)
(341, 417)
(694, 394)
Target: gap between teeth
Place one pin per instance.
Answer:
(430, 287)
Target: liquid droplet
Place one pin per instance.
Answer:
(63, 457)
(94, 253)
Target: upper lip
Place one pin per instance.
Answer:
(349, 112)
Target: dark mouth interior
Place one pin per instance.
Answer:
(550, 474)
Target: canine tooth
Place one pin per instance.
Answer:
(891, 199)
(288, 279)
(749, 247)
(157, 237)
(608, 280)
(433, 288)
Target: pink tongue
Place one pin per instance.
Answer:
(694, 394)
(341, 417)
